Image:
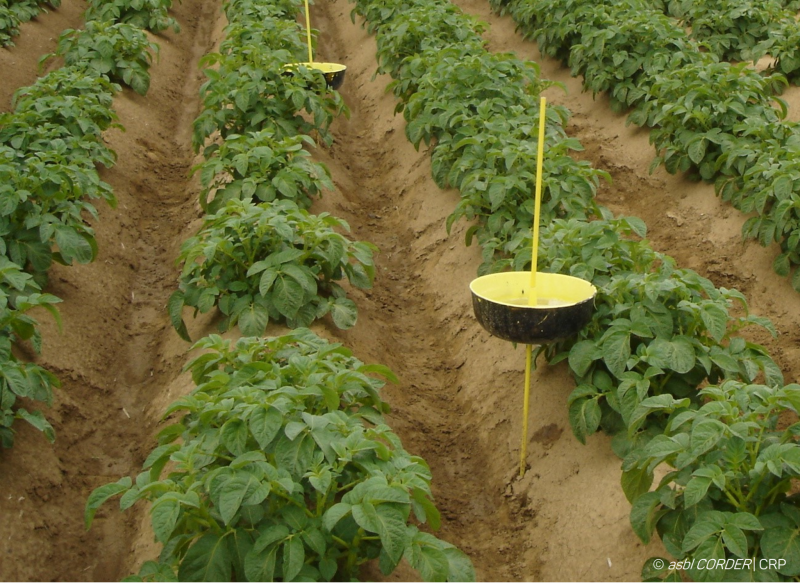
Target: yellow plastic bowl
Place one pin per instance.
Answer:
(333, 72)
(500, 302)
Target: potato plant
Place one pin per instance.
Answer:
(725, 495)
(15, 12)
(9, 24)
(49, 146)
(262, 168)
(152, 15)
(22, 382)
(119, 50)
(624, 51)
(656, 330)
(698, 109)
(730, 29)
(250, 90)
(281, 468)
(264, 262)
(783, 44)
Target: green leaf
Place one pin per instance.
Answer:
(461, 568)
(39, 422)
(270, 536)
(73, 246)
(655, 569)
(432, 563)
(267, 279)
(735, 540)
(284, 256)
(745, 521)
(782, 265)
(665, 402)
(695, 490)
(715, 318)
(381, 370)
(644, 514)
(783, 543)
(584, 417)
(259, 565)
(164, 515)
(294, 555)
(635, 482)
(234, 436)
(303, 277)
(386, 521)
(682, 356)
(334, 514)
(287, 296)
(616, 352)
(232, 494)
(100, 495)
(294, 455)
(432, 515)
(265, 422)
(705, 435)
(241, 543)
(700, 531)
(315, 541)
(697, 150)
(344, 313)
(208, 559)
(581, 356)
(713, 550)
(328, 568)
(175, 310)
(253, 320)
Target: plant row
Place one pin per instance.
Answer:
(715, 120)
(50, 147)
(260, 256)
(15, 12)
(281, 466)
(660, 335)
(742, 30)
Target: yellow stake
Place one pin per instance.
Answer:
(308, 35)
(532, 295)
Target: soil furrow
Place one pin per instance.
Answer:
(111, 356)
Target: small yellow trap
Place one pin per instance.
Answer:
(532, 307)
(333, 72)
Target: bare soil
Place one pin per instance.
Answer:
(459, 401)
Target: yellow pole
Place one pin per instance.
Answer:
(308, 34)
(525, 401)
(532, 295)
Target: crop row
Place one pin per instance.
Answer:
(715, 120)
(662, 340)
(281, 466)
(742, 30)
(15, 12)
(50, 145)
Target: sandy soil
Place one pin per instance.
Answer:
(459, 400)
